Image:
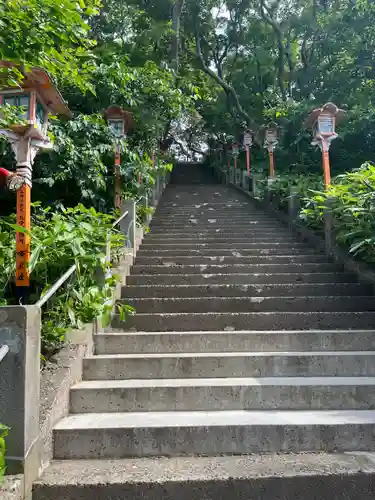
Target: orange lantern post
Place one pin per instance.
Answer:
(37, 97)
(323, 122)
(247, 142)
(119, 122)
(270, 142)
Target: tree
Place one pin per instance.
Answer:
(49, 34)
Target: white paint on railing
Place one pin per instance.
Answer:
(3, 352)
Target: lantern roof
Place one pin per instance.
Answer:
(261, 133)
(272, 126)
(116, 112)
(328, 109)
(248, 131)
(38, 79)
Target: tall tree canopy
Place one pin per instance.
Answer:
(192, 73)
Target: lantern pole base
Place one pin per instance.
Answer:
(23, 295)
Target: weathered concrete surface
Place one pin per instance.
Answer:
(249, 304)
(56, 379)
(182, 386)
(262, 393)
(233, 269)
(244, 279)
(229, 364)
(243, 321)
(271, 290)
(65, 370)
(234, 259)
(13, 488)
(19, 388)
(121, 435)
(118, 342)
(261, 249)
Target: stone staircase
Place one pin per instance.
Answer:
(247, 372)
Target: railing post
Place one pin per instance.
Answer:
(254, 185)
(146, 205)
(162, 182)
(328, 230)
(157, 188)
(20, 330)
(267, 195)
(293, 207)
(153, 198)
(128, 224)
(231, 175)
(245, 180)
(237, 178)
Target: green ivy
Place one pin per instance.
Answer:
(3, 433)
(351, 200)
(60, 239)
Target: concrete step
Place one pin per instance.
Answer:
(250, 304)
(212, 221)
(216, 218)
(120, 342)
(239, 279)
(175, 228)
(229, 245)
(209, 394)
(230, 230)
(218, 237)
(215, 214)
(281, 249)
(182, 260)
(334, 476)
(244, 321)
(233, 268)
(120, 435)
(280, 290)
(178, 208)
(208, 241)
(212, 212)
(230, 364)
(268, 237)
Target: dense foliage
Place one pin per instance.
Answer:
(3, 434)
(350, 198)
(59, 240)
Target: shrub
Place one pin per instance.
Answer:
(60, 239)
(351, 199)
(3, 434)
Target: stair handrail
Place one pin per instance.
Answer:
(72, 269)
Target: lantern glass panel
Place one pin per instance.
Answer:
(19, 100)
(40, 114)
(247, 140)
(271, 135)
(326, 125)
(116, 126)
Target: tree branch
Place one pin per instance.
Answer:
(228, 89)
(176, 18)
(265, 13)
